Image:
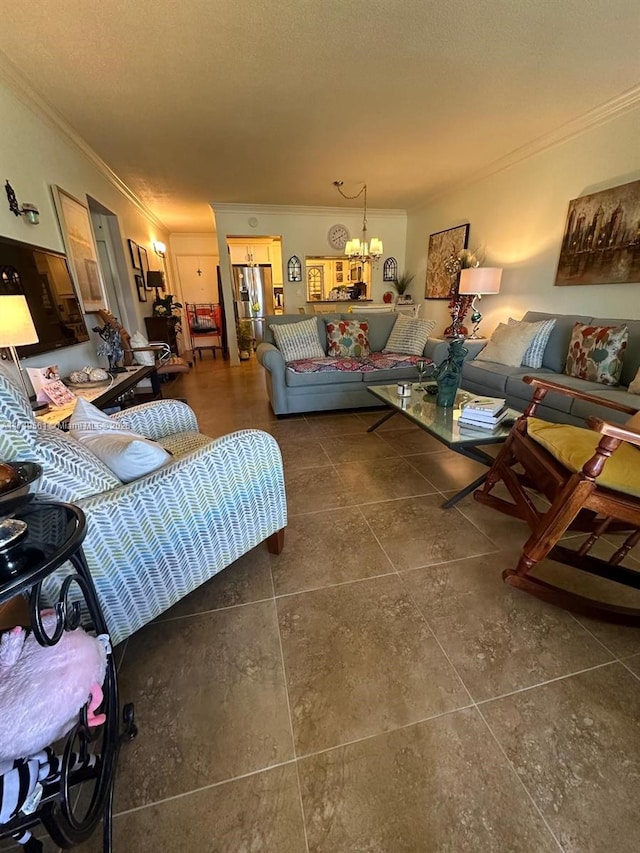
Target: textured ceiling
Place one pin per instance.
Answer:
(269, 101)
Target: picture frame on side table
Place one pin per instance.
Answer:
(442, 245)
(80, 248)
(133, 254)
(141, 288)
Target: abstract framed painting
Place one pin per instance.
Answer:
(140, 287)
(601, 240)
(133, 254)
(80, 248)
(442, 245)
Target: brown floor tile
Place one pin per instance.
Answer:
(382, 479)
(301, 452)
(442, 785)
(503, 530)
(447, 470)
(360, 660)
(633, 663)
(354, 448)
(576, 746)
(498, 638)
(248, 579)
(313, 489)
(197, 684)
(394, 423)
(327, 548)
(407, 442)
(322, 426)
(418, 532)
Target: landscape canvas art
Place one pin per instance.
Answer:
(442, 245)
(601, 241)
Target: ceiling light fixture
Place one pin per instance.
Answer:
(29, 211)
(365, 251)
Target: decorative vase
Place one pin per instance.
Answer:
(449, 374)
(387, 297)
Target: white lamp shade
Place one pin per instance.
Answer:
(480, 280)
(16, 325)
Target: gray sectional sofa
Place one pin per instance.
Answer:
(291, 392)
(498, 380)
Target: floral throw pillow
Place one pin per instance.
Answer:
(595, 353)
(348, 338)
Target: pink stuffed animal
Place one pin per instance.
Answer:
(43, 688)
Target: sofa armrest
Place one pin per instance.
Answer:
(270, 357)
(438, 349)
(151, 542)
(158, 419)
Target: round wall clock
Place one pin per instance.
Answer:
(338, 236)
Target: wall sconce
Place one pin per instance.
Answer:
(29, 211)
(160, 249)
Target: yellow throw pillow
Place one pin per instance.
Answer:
(508, 344)
(573, 446)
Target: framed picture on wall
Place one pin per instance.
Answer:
(133, 254)
(80, 247)
(141, 288)
(143, 262)
(442, 245)
(599, 245)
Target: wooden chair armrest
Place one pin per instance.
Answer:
(629, 433)
(542, 386)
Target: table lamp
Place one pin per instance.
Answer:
(478, 281)
(16, 329)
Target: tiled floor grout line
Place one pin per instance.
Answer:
(623, 661)
(286, 690)
(515, 773)
(160, 621)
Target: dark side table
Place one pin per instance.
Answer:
(73, 804)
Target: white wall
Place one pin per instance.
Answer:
(304, 232)
(519, 215)
(35, 155)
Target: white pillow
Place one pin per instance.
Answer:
(508, 344)
(409, 335)
(146, 358)
(126, 453)
(535, 351)
(298, 340)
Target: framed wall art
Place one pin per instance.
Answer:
(141, 288)
(80, 247)
(133, 254)
(143, 262)
(442, 245)
(601, 243)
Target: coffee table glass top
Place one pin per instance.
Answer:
(421, 408)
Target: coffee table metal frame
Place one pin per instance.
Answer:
(442, 424)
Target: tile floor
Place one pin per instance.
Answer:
(376, 687)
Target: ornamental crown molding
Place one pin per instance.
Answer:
(302, 210)
(25, 93)
(596, 117)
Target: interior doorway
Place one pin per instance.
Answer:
(112, 263)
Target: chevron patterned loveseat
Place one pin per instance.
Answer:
(153, 541)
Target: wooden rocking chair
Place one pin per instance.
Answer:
(591, 478)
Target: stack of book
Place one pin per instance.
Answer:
(486, 413)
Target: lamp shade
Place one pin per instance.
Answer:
(480, 280)
(16, 325)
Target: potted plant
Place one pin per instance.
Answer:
(166, 307)
(245, 339)
(401, 284)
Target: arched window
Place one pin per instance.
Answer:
(390, 270)
(294, 269)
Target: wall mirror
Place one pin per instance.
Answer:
(331, 278)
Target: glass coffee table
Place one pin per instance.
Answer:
(443, 424)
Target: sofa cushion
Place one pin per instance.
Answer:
(555, 353)
(380, 326)
(347, 338)
(508, 344)
(518, 390)
(595, 353)
(489, 377)
(382, 367)
(409, 335)
(634, 385)
(535, 351)
(323, 371)
(583, 410)
(573, 446)
(631, 360)
(299, 340)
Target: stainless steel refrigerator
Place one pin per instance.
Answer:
(253, 294)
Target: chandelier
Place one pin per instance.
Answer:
(361, 250)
